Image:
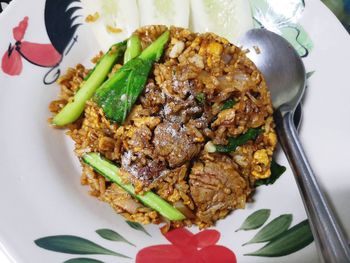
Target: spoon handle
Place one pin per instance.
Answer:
(329, 238)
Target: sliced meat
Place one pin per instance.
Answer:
(216, 188)
(172, 142)
(142, 167)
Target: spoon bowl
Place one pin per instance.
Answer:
(285, 76)
(280, 65)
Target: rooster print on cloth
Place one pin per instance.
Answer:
(60, 22)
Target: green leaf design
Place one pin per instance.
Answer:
(309, 74)
(273, 229)
(83, 260)
(73, 245)
(137, 226)
(298, 38)
(112, 236)
(255, 220)
(292, 240)
(280, 17)
(276, 171)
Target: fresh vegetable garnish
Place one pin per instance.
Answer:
(73, 109)
(150, 199)
(233, 143)
(164, 12)
(227, 18)
(276, 171)
(119, 93)
(228, 104)
(133, 48)
(155, 50)
(117, 20)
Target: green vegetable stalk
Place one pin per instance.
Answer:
(73, 109)
(133, 48)
(118, 94)
(150, 199)
(155, 50)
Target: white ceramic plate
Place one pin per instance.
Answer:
(41, 195)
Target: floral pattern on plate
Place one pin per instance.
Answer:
(268, 14)
(280, 240)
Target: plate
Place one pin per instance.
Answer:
(47, 216)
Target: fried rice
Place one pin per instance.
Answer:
(165, 144)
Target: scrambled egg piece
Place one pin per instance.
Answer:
(261, 164)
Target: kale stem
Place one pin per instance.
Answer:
(150, 199)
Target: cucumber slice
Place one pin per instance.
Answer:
(113, 14)
(164, 12)
(227, 18)
(150, 199)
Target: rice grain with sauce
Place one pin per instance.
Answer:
(166, 144)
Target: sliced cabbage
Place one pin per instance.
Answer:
(164, 12)
(113, 16)
(227, 18)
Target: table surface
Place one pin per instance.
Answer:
(341, 8)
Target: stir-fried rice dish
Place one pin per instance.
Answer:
(170, 126)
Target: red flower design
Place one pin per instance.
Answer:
(188, 248)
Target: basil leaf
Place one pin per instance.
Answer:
(233, 143)
(276, 171)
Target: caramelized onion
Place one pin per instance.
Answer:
(184, 209)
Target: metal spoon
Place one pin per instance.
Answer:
(285, 75)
